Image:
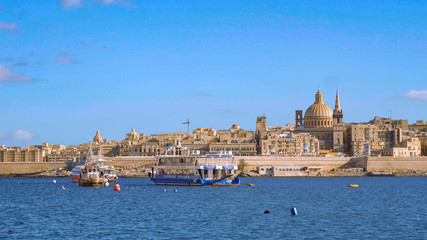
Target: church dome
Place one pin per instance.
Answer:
(318, 108)
(318, 114)
(133, 133)
(97, 138)
(235, 126)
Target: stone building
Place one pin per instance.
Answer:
(204, 140)
(283, 140)
(21, 154)
(361, 139)
(408, 148)
(419, 126)
(301, 144)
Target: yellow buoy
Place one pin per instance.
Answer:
(250, 185)
(353, 185)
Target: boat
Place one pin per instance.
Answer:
(180, 166)
(110, 173)
(90, 173)
(75, 174)
(380, 174)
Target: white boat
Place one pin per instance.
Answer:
(90, 173)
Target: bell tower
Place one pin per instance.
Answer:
(298, 118)
(338, 115)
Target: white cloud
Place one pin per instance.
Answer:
(70, 3)
(8, 27)
(65, 59)
(7, 75)
(22, 135)
(415, 94)
(17, 136)
(78, 3)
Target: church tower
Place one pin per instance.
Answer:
(338, 115)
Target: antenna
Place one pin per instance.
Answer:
(188, 125)
(390, 113)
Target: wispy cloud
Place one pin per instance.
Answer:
(78, 3)
(18, 135)
(8, 75)
(205, 94)
(70, 3)
(9, 27)
(415, 94)
(64, 59)
(123, 3)
(21, 63)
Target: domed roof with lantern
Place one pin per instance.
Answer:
(318, 108)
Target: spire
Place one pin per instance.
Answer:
(337, 102)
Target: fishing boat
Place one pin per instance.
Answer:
(180, 166)
(90, 173)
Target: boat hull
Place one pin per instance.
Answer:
(112, 180)
(75, 178)
(95, 182)
(191, 180)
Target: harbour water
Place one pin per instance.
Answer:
(381, 208)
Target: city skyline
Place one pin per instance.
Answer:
(67, 70)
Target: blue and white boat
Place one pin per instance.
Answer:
(180, 166)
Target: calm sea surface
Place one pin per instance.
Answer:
(381, 208)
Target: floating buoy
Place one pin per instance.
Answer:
(353, 185)
(107, 183)
(294, 211)
(175, 190)
(250, 185)
(63, 188)
(54, 181)
(164, 190)
(117, 187)
(266, 212)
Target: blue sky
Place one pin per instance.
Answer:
(71, 67)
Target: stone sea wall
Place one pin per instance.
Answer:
(143, 164)
(24, 168)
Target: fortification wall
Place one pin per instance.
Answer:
(401, 164)
(327, 163)
(397, 164)
(130, 162)
(22, 168)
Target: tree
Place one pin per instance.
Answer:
(242, 164)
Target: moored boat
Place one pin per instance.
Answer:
(180, 166)
(75, 174)
(110, 173)
(90, 173)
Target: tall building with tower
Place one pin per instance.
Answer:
(323, 123)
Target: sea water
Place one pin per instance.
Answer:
(380, 208)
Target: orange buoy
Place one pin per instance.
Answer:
(117, 187)
(54, 181)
